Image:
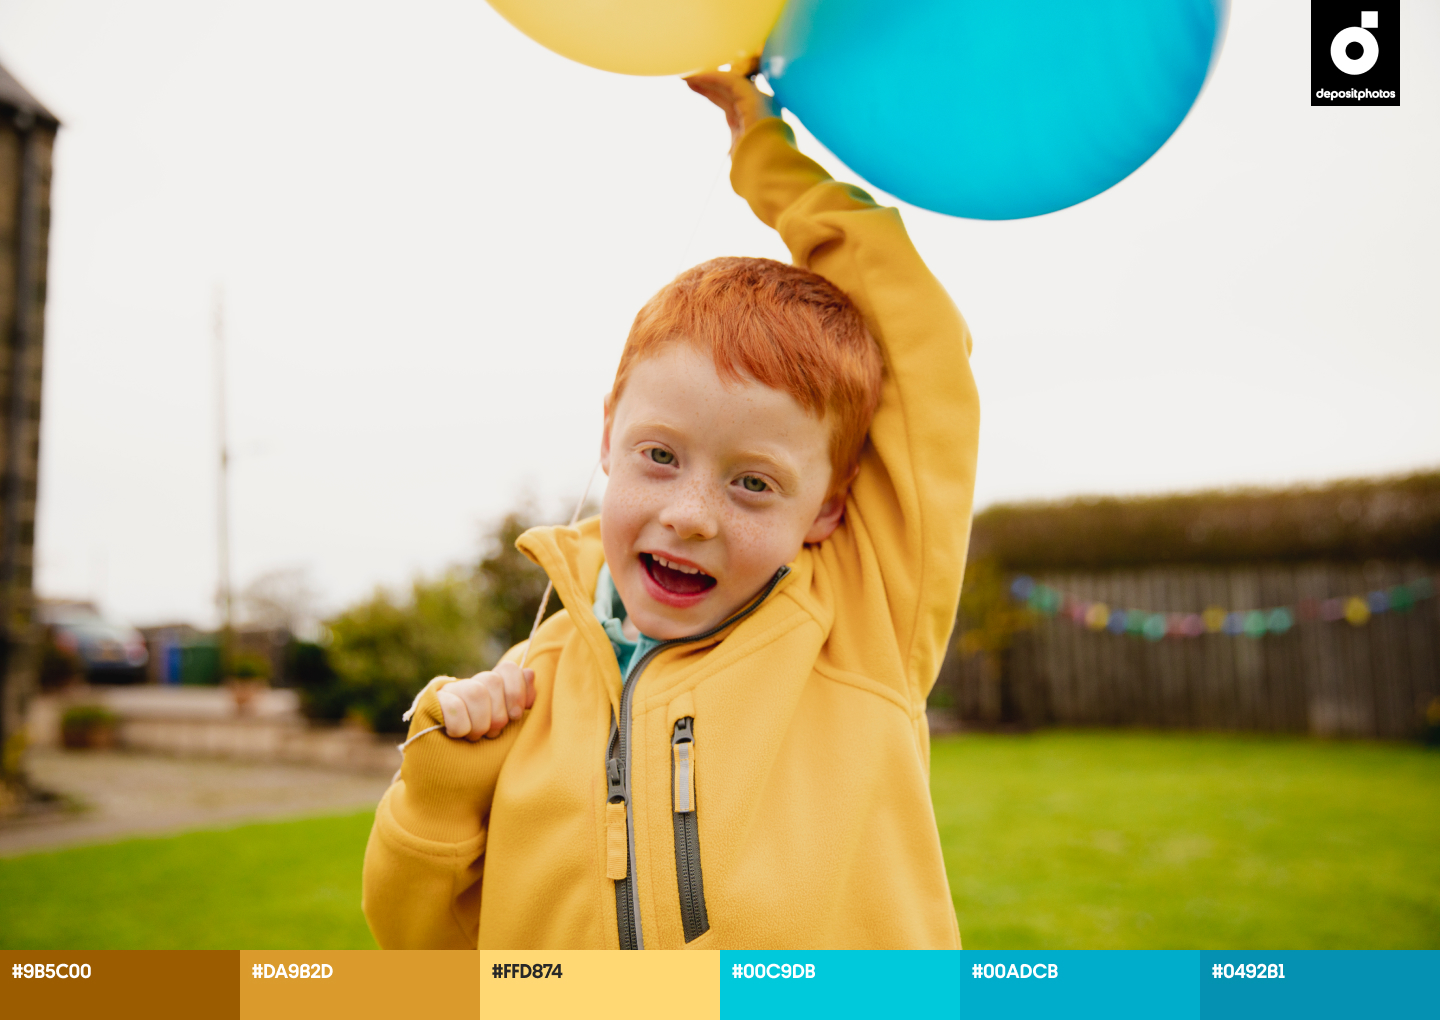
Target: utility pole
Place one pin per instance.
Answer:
(223, 594)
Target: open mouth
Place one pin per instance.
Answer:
(676, 578)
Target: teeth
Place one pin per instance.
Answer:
(674, 566)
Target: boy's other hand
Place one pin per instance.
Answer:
(481, 707)
(735, 93)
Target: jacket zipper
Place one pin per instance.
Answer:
(617, 771)
(688, 875)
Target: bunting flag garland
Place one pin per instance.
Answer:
(1356, 610)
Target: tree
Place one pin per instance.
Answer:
(383, 650)
(281, 599)
(511, 587)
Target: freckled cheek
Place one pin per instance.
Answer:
(755, 548)
(626, 509)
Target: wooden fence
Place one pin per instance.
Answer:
(1328, 678)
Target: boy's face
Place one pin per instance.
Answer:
(713, 487)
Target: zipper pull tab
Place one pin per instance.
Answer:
(617, 856)
(617, 846)
(682, 755)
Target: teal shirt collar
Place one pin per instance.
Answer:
(610, 611)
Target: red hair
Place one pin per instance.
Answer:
(780, 325)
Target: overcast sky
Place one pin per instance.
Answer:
(432, 235)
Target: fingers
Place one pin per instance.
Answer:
(735, 93)
(481, 707)
(454, 711)
(717, 88)
(513, 685)
(495, 718)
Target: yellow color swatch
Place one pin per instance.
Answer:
(358, 984)
(599, 984)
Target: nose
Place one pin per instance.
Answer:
(690, 514)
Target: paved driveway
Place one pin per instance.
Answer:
(127, 794)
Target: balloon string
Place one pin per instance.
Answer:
(589, 482)
(550, 585)
(704, 208)
(580, 504)
(539, 615)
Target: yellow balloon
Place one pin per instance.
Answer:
(646, 36)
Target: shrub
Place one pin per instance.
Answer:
(249, 666)
(322, 696)
(87, 726)
(1343, 521)
(385, 649)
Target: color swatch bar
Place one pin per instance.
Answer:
(711, 984)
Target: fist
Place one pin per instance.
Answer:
(481, 707)
(735, 93)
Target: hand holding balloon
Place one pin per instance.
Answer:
(735, 93)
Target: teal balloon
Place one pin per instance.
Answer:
(993, 110)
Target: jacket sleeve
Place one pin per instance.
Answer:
(426, 855)
(907, 521)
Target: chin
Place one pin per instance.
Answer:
(664, 630)
(668, 626)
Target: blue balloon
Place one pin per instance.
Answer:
(993, 109)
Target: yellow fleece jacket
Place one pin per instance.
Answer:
(773, 787)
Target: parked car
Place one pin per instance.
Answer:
(106, 652)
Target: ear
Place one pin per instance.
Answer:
(832, 511)
(828, 519)
(605, 436)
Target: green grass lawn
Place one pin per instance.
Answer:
(1087, 840)
(1056, 840)
(285, 885)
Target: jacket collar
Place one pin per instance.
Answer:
(572, 557)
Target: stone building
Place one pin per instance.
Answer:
(27, 138)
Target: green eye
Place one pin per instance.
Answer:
(660, 456)
(753, 484)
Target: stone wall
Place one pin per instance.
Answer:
(24, 229)
(210, 722)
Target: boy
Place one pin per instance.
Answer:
(722, 742)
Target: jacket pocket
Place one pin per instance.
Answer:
(687, 830)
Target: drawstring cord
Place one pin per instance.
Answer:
(524, 657)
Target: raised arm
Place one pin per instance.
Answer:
(909, 511)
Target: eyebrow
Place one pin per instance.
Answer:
(653, 425)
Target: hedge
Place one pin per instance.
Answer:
(1354, 520)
